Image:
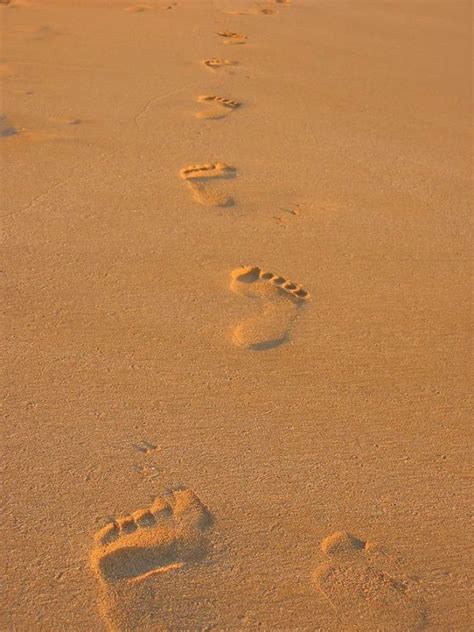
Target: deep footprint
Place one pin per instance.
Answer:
(164, 537)
(202, 179)
(361, 584)
(279, 301)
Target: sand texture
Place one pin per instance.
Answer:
(236, 331)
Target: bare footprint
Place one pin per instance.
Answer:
(280, 301)
(169, 535)
(220, 106)
(365, 588)
(201, 180)
(215, 64)
(232, 38)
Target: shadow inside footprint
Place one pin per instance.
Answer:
(127, 563)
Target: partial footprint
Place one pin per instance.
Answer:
(232, 38)
(365, 588)
(220, 106)
(169, 535)
(214, 63)
(279, 304)
(202, 182)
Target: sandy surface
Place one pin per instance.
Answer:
(291, 436)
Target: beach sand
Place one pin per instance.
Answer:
(236, 296)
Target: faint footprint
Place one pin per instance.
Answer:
(214, 63)
(292, 209)
(168, 536)
(199, 179)
(222, 106)
(280, 301)
(365, 588)
(232, 38)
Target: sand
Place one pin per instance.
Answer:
(237, 320)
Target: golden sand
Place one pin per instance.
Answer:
(236, 295)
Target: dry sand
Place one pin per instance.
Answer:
(237, 315)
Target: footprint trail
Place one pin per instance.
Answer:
(279, 303)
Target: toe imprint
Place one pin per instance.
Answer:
(208, 170)
(216, 63)
(227, 103)
(245, 275)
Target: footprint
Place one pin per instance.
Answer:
(214, 63)
(223, 107)
(199, 178)
(366, 590)
(170, 535)
(280, 301)
(232, 38)
(164, 537)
